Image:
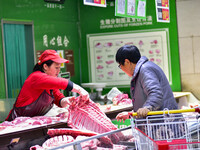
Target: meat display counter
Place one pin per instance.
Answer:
(123, 143)
(23, 139)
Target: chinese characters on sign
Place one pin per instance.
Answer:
(124, 22)
(59, 40)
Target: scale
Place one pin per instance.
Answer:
(98, 87)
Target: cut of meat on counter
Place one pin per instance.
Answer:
(94, 144)
(21, 123)
(121, 99)
(63, 136)
(105, 141)
(57, 141)
(68, 131)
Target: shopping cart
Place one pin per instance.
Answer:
(167, 130)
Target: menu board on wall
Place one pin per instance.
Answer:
(102, 48)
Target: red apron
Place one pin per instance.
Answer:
(38, 108)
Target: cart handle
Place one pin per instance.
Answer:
(168, 111)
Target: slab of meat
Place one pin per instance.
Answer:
(46, 119)
(21, 123)
(2, 127)
(57, 141)
(28, 121)
(88, 116)
(20, 120)
(105, 141)
(121, 99)
(5, 124)
(92, 144)
(68, 131)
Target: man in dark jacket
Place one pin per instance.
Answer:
(150, 89)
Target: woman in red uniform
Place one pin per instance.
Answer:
(42, 88)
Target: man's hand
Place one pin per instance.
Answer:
(142, 112)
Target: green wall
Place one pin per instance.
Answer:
(48, 19)
(75, 20)
(90, 20)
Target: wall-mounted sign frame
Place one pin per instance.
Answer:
(162, 11)
(131, 8)
(99, 3)
(102, 49)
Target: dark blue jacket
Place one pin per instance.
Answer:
(150, 87)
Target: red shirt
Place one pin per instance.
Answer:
(36, 83)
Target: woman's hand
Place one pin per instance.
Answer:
(66, 101)
(82, 92)
(123, 116)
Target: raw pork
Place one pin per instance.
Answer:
(88, 116)
(75, 132)
(121, 99)
(57, 141)
(21, 123)
(68, 131)
(92, 144)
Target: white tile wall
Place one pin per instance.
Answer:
(196, 47)
(186, 55)
(188, 17)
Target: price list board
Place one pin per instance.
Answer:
(103, 47)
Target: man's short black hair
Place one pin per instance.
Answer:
(129, 52)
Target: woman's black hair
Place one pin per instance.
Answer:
(38, 67)
(129, 52)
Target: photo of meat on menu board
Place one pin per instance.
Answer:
(103, 47)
